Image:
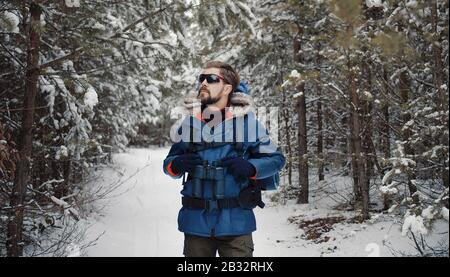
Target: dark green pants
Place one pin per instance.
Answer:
(228, 246)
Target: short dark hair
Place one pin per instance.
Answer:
(229, 74)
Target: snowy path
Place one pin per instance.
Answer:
(143, 220)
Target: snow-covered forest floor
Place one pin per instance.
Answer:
(139, 218)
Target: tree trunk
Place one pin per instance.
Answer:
(354, 164)
(356, 139)
(347, 148)
(406, 132)
(437, 53)
(303, 151)
(288, 138)
(289, 149)
(438, 81)
(320, 140)
(14, 243)
(320, 156)
(369, 155)
(302, 133)
(385, 129)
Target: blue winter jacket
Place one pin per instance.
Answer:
(258, 149)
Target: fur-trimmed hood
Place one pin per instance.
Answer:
(240, 104)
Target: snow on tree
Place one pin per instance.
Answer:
(361, 87)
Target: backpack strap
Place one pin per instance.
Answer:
(238, 145)
(194, 147)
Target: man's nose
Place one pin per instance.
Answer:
(204, 83)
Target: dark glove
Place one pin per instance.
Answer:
(239, 167)
(185, 163)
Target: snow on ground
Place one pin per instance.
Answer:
(141, 219)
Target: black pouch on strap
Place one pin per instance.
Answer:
(250, 197)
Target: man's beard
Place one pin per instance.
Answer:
(207, 99)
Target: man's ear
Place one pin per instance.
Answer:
(228, 89)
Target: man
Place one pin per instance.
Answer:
(226, 154)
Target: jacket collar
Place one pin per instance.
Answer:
(240, 105)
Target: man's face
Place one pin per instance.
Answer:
(211, 93)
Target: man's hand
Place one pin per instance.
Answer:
(239, 167)
(186, 163)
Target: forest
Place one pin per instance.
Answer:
(359, 87)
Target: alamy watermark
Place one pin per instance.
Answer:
(260, 125)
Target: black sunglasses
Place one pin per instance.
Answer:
(210, 78)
